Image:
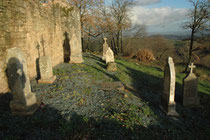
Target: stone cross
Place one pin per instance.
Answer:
(191, 67)
(105, 39)
(46, 71)
(105, 48)
(167, 98)
(42, 42)
(24, 102)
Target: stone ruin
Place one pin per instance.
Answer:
(38, 30)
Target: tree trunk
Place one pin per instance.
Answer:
(118, 41)
(121, 42)
(114, 45)
(190, 50)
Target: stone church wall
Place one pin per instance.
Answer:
(38, 29)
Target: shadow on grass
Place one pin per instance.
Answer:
(149, 88)
(48, 123)
(44, 124)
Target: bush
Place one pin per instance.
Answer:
(145, 55)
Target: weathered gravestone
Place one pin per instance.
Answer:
(167, 98)
(190, 88)
(109, 55)
(111, 65)
(75, 49)
(24, 102)
(105, 48)
(46, 71)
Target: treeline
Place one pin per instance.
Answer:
(101, 19)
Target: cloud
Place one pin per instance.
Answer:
(147, 2)
(155, 16)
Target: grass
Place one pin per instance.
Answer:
(77, 109)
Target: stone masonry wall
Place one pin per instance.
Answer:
(38, 29)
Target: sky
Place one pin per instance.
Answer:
(160, 16)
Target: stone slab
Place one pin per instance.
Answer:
(111, 86)
(47, 81)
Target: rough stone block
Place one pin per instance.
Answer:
(111, 66)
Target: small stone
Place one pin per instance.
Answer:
(125, 95)
(111, 66)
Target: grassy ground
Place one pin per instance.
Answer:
(74, 107)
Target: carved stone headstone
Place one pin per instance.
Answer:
(109, 55)
(46, 71)
(167, 98)
(75, 49)
(24, 102)
(105, 48)
(111, 65)
(190, 88)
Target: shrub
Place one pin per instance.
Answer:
(145, 55)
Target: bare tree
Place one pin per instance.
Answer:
(199, 18)
(120, 14)
(87, 10)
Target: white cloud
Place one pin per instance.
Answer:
(155, 16)
(147, 2)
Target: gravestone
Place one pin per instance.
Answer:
(46, 71)
(167, 98)
(109, 55)
(105, 48)
(111, 65)
(24, 102)
(75, 49)
(190, 88)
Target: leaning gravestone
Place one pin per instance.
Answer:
(46, 71)
(75, 49)
(111, 65)
(24, 102)
(105, 48)
(109, 55)
(167, 98)
(190, 88)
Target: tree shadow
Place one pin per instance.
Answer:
(92, 56)
(66, 48)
